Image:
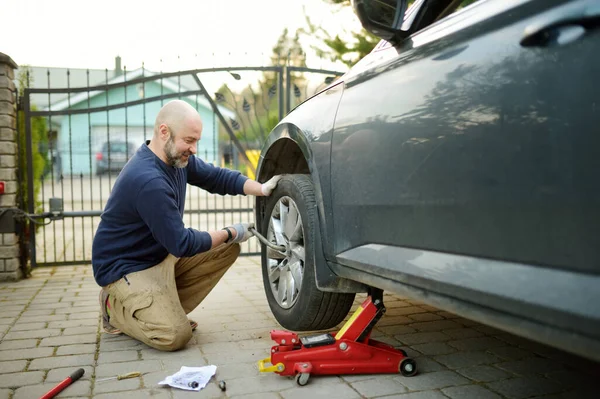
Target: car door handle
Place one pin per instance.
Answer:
(564, 27)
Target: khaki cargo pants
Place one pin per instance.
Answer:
(151, 305)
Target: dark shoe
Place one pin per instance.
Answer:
(193, 324)
(105, 319)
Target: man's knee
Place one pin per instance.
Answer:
(172, 340)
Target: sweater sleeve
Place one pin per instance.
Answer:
(157, 206)
(214, 179)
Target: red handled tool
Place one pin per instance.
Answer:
(350, 351)
(63, 384)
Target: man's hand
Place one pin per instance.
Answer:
(268, 187)
(242, 232)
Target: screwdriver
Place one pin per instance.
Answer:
(133, 374)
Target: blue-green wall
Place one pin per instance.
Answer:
(79, 137)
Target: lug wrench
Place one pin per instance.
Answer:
(261, 238)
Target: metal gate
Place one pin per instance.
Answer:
(84, 133)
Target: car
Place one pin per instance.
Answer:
(456, 164)
(113, 156)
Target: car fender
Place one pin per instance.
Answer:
(286, 136)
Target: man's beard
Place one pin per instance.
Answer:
(174, 158)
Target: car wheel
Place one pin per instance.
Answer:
(290, 220)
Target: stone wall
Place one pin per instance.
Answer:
(9, 242)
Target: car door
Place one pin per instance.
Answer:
(478, 137)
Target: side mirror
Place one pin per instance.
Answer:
(383, 18)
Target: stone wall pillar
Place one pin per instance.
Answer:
(9, 242)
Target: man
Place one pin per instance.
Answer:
(152, 270)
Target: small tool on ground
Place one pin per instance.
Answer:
(133, 374)
(63, 384)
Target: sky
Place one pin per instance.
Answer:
(166, 35)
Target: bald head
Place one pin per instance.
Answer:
(177, 129)
(176, 115)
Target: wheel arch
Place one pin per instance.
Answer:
(288, 151)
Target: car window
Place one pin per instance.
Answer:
(118, 147)
(455, 6)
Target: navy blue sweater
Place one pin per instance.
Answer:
(142, 221)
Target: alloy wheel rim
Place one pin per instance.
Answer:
(286, 269)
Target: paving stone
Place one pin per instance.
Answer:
(210, 391)
(36, 312)
(483, 373)
(5, 393)
(173, 365)
(487, 330)
(43, 319)
(447, 315)
(429, 316)
(419, 395)
(81, 389)
(426, 365)
(532, 365)
(59, 374)
(77, 310)
(476, 344)
(143, 366)
(236, 370)
(576, 379)
(11, 313)
(463, 333)
(118, 345)
(393, 320)
(190, 352)
(421, 338)
(387, 340)
(16, 380)
(16, 354)
(41, 333)
(117, 386)
(265, 395)
(69, 340)
(510, 352)
(434, 348)
(61, 361)
(325, 387)
(524, 387)
(435, 380)
(466, 359)
(396, 330)
(44, 304)
(220, 347)
(120, 356)
(27, 326)
(84, 316)
(470, 392)
(80, 330)
(12, 366)
(76, 349)
(18, 344)
(73, 323)
(378, 387)
(254, 343)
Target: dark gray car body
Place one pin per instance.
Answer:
(461, 167)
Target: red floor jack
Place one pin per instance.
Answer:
(350, 351)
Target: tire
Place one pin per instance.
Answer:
(301, 307)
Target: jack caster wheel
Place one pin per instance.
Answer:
(302, 379)
(408, 367)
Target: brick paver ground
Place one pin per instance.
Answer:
(49, 327)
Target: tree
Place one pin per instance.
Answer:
(360, 44)
(335, 48)
(39, 140)
(257, 106)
